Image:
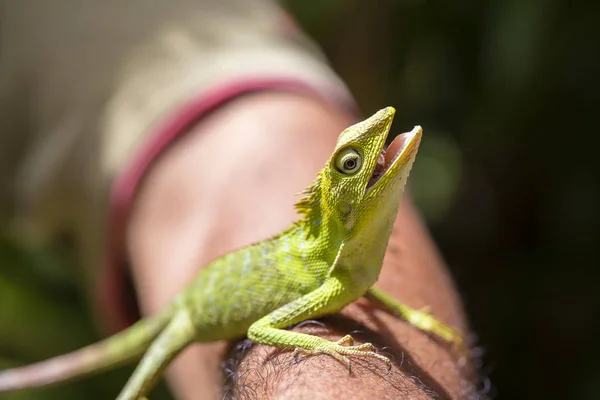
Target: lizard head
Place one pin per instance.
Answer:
(362, 182)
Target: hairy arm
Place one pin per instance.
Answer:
(423, 368)
(230, 182)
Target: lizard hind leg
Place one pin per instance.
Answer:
(174, 338)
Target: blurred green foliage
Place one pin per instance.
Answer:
(508, 94)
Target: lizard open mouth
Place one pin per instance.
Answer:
(388, 156)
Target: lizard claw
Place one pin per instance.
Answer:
(343, 348)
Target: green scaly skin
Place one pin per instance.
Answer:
(317, 266)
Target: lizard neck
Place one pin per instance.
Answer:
(313, 242)
(361, 256)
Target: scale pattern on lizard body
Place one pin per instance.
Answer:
(254, 278)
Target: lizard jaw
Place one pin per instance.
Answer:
(391, 156)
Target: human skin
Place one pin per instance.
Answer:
(230, 181)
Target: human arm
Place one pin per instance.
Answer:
(185, 217)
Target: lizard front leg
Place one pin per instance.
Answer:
(175, 337)
(418, 318)
(328, 298)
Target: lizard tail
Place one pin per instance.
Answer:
(119, 349)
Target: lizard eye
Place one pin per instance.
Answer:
(348, 161)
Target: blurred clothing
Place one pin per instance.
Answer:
(92, 92)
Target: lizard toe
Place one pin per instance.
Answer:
(344, 348)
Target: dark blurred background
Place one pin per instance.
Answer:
(508, 93)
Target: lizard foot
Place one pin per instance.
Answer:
(344, 348)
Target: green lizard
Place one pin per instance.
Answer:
(318, 265)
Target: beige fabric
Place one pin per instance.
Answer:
(83, 82)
